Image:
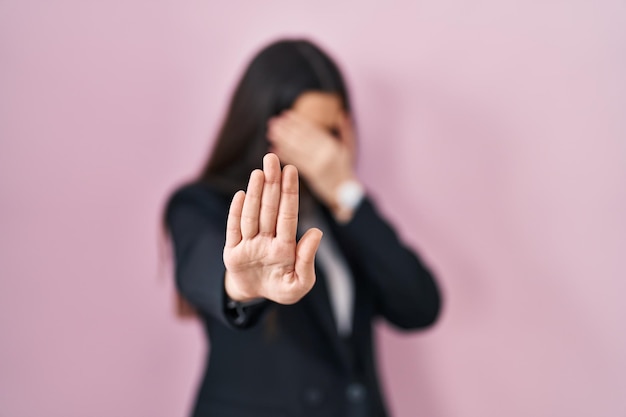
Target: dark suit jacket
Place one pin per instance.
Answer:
(288, 360)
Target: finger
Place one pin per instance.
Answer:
(300, 139)
(296, 124)
(287, 222)
(233, 224)
(252, 205)
(271, 195)
(277, 137)
(277, 146)
(272, 130)
(297, 119)
(306, 132)
(346, 132)
(271, 127)
(305, 256)
(278, 131)
(295, 130)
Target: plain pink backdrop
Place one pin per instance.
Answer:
(492, 133)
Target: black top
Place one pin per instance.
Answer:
(289, 360)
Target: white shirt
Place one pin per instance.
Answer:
(339, 278)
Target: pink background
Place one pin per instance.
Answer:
(492, 134)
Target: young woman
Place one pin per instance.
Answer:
(288, 313)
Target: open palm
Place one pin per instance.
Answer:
(261, 254)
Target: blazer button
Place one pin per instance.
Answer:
(313, 396)
(355, 392)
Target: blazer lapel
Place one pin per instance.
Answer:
(318, 304)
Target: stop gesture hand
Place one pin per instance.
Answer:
(261, 254)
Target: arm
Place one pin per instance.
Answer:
(405, 290)
(196, 220)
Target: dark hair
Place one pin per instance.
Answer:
(271, 83)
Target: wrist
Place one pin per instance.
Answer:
(239, 312)
(348, 195)
(234, 291)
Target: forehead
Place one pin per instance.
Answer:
(323, 109)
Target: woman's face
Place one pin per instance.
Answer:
(322, 109)
(317, 137)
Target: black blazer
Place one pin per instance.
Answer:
(290, 360)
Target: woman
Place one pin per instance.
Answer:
(288, 314)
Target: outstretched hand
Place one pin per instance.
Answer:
(261, 255)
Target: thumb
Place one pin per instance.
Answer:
(305, 255)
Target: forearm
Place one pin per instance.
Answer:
(198, 242)
(406, 291)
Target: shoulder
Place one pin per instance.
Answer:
(196, 197)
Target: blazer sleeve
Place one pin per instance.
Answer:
(196, 220)
(405, 290)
